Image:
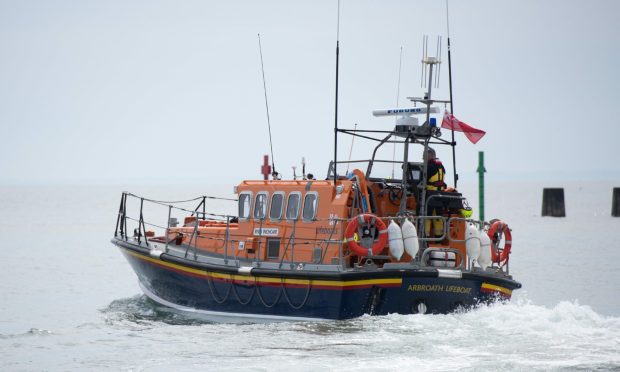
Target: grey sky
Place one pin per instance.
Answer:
(156, 91)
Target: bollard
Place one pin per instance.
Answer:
(553, 202)
(615, 202)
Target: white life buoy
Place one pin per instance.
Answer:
(442, 259)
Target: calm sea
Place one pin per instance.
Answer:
(69, 301)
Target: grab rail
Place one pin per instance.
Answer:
(336, 233)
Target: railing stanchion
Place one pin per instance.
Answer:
(293, 243)
(195, 237)
(119, 217)
(168, 227)
(341, 245)
(125, 218)
(226, 241)
(125, 233)
(260, 238)
(332, 224)
(146, 241)
(140, 222)
(506, 264)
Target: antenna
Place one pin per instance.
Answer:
(438, 53)
(427, 61)
(351, 149)
(424, 53)
(274, 174)
(336, 105)
(400, 65)
(456, 176)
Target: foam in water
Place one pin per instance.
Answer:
(503, 336)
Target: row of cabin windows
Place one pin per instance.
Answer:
(291, 213)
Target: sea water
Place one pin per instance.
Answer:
(69, 301)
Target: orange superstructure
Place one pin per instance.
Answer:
(301, 221)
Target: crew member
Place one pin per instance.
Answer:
(435, 172)
(435, 182)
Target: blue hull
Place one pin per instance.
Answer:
(281, 296)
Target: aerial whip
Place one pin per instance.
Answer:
(336, 113)
(351, 149)
(274, 174)
(456, 176)
(400, 65)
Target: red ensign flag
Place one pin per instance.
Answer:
(450, 122)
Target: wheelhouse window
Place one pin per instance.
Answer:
(277, 206)
(260, 206)
(310, 206)
(293, 205)
(245, 202)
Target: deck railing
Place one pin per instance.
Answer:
(174, 209)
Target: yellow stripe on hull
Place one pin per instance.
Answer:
(496, 288)
(315, 282)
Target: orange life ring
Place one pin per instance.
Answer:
(366, 220)
(499, 228)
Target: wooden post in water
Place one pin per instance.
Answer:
(615, 202)
(553, 202)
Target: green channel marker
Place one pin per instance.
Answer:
(481, 172)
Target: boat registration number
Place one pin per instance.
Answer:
(266, 231)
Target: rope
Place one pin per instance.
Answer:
(212, 289)
(234, 289)
(260, 296)
(351, 150)
(308, 240)
(289, 300)
(202, 213)
(169, 204)
(146, 223)
(262, 67)
(181, 201)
